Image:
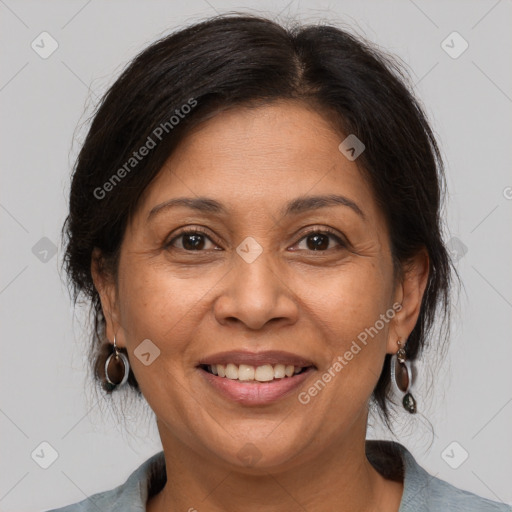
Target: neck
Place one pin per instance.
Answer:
(341, 478)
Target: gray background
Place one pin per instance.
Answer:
(45, 394)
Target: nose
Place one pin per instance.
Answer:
(255, 294)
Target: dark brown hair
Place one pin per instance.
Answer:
(238, 60)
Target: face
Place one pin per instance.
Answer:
(256, 277)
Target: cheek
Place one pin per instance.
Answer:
(354, 313)
(348, 300)
(337, 306)
(338, 303)
(157, 305)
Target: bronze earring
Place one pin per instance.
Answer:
(117, 368)
(401, 375)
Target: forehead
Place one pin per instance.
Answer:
(264, 156)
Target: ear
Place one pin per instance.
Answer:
(105, 285)
(409, 293)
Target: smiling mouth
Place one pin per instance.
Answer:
(252, 374)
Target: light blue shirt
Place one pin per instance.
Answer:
(422, 491)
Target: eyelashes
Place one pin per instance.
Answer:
(196, 232)
(198, 238)
(324, 232)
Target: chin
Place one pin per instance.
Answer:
(253, 454)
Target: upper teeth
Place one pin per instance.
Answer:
(244, 372)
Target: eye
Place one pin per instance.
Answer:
(319, 240)
(197, 240)
(191, 240)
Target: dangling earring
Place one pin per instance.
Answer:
(401, 375)
(116, 360)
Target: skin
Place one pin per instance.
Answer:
(311, 303)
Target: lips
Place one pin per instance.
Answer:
(255, 378)
(271, 357)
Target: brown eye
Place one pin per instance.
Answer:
(191, 240)
(320, 241)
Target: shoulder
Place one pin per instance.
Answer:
(424, 492)
(131, 496)
(441, 495)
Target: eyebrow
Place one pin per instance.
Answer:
(294, 207)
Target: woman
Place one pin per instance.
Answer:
(254, 216)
